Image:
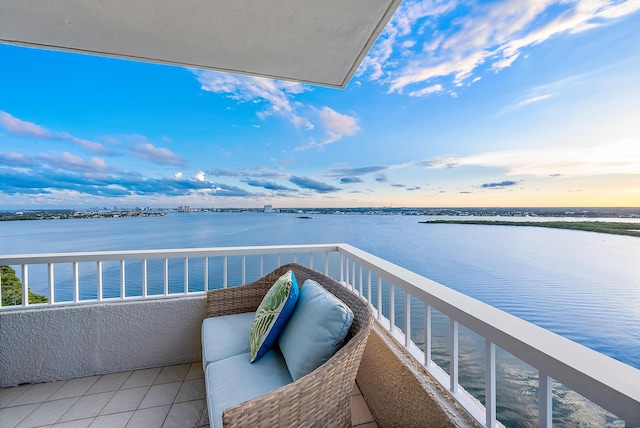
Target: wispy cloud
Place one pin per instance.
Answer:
(224, 172)
(469, 35)
(269, 185)
(250, 173)
(279, 100)
(622, 157)
(311, 184)
(501, 184)
(24, 128)
(336, 125)
(532, 100)
(350, 180)
(54, 160)
(158, 155)
(275, 94)
(339, 171)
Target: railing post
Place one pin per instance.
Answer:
(379, 297)
(490, 384)
(407, 319)
(369, 286)
(244, 269)
(206, 274)
(76, 283)
(427, 335)
(186, 275)
(310, 260)
(224, 272)
(52, 297)
(545, 401)
(144, 278)
(354, 288)
(261, 265)
(166, 277)
(326, 263)
(360, 281)
(122, 280)
(25, 285)
(341, 267)
(99, 278)
(453, 347)
(392, 307)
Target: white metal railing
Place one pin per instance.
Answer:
(143, 257)
(608, 383)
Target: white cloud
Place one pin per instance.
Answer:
(29, 129)
(275, 93)
(621, 157)
(155, 154)
(426, 91)
(336, 125)
(279, 97)
(493, 33)
(68, 161)
(531, 100)
(199, 176)
(22, 127)
(177, 175)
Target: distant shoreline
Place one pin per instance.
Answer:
(613, 228)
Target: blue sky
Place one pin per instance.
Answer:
(459, 103)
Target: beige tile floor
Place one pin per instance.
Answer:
(172, 396)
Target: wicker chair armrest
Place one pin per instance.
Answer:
(321, 398)
(235, 300)
(243, 298)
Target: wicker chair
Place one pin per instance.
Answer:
(321, 398)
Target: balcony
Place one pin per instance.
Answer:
(115, 314)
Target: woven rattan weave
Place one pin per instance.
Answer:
(323, 397)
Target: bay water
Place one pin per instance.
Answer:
(582, 285)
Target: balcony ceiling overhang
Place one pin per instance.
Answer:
(313, 41)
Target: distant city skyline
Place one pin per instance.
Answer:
(458, 104)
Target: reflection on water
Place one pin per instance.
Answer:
(584, 286)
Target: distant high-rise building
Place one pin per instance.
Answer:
(268, 208)
(184, 209)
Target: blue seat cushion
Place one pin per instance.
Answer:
(235, 379)
(315, 331)
(225, 336)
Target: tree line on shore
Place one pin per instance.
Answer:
(12, 289)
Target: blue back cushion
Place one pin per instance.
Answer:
(315, 331)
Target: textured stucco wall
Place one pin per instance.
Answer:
(41, 345)
(400, 392)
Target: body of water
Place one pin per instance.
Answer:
(582, 285)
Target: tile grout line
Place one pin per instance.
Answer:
(88, 395)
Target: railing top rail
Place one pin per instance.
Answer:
(160, 253)
(599, 378)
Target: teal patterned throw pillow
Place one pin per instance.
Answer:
(272, 314)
